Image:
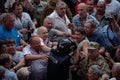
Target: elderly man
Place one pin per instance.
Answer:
(82, 16)
(116, 72)
(94, 72)
(94, 35)
(93, 58)
(36, 58)
(60, 20)
(54, 34)
(7, 30)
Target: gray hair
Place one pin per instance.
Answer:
(92, 23)
(59, 4)
(47, 18)
(96, 70)
(116, 67)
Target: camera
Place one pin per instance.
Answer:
(109, 18)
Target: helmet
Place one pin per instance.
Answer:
(65, 46)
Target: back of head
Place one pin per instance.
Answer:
(4, 58)
(96, 70)
(23, 73)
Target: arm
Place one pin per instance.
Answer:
(35, 57)
(23, 42)
(20, 64)
(45, 48)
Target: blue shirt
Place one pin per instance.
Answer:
(110, 35)
(10, 75)
(97, 37)
(4, 34)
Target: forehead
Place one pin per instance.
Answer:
(61, 6)
(87, 24)
(82, 6)
(101, 4)
(18, 6)
(41, 30)
(91, 50)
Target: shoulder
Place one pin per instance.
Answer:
(25, 15)
(44, 3)
(76, 17)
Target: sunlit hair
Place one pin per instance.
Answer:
(58, 4)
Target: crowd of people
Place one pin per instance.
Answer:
(59, 39)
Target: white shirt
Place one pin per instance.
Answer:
(8, 4)
(59, 23)
(112, 79)
(113, 7)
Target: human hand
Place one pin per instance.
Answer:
(23, 31)
(44, 56)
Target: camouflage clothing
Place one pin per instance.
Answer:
(84, 65)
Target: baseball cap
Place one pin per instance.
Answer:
(93, 45)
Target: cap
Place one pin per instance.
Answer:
(93, 45)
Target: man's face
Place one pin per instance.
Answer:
(91, 75)
(36, 45)
(90, 5)
(48, 24)
(18, 11)
(9, 23)
(11, 48)
(43, 33)
(82, 11)
(61, 10)
(88, 28)
(79, 36)
(92, 53)
(100, 8)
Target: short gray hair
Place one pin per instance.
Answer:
(59, 4)
(116, 67)
(96, 70)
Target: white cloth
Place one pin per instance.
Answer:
(112, 79)
(59, 23)
(8, 4)
(113, 7)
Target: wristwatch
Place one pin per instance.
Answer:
(14, 68)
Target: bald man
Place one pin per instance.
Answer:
(82, 16)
